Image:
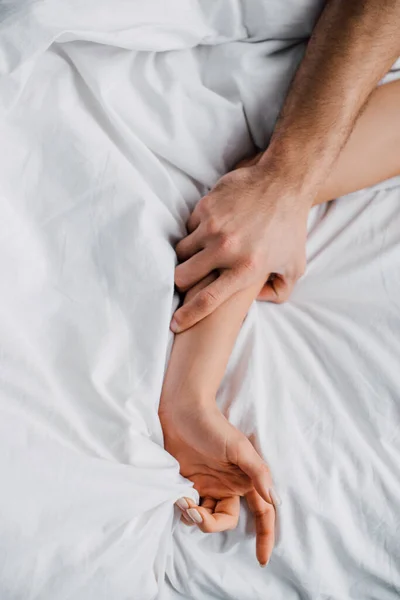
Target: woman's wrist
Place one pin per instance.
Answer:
(184, 400)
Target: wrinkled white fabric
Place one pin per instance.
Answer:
(115, 118)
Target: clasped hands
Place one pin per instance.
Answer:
(251, 226)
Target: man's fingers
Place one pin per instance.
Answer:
(194, 219)
(194, 270)
(251, 463)
(264, 514)
(189, 245)
(277, 290)
(206, 300)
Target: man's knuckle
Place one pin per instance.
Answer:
(204, 204)
(206, 299)
(227, 242)
(212, 226)
(251, 262)
(179, 318)
(181, 249)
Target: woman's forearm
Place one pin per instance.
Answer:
(200, 354)
(372, 153)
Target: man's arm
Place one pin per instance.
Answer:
(372, 152)
(354, 43)
(253, 223)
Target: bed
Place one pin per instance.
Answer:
(113, 123)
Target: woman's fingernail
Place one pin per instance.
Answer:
(174, 326)
(274, 497)
(263, 565)
(186, 519)
(182, 503)
(194, 515)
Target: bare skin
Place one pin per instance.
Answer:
(218, 458)
(364, 160)
(238, 228)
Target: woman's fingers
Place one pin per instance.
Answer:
(212, 515)
(224, 516)
(208, 504)
(264, 514)
(186, 520)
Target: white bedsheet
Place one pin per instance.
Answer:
(115, 117)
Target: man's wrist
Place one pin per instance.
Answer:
(284, 166)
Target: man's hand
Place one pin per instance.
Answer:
(253, 223)
(223, 466)
(250, 226)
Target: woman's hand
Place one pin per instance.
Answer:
(223, 466)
